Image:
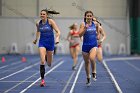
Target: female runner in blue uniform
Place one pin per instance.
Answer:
(45, 28)
(89, 31)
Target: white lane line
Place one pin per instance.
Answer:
(122, 58)
(133, 66)
(77, 75)
(63, 91)
(80, 82)
(65, 87)
(3, 67)
(112, 78)
(15, 63)
(24, 90)
(12, 68)
(19, 71)
(18, 62)
(15, 81)
(20, 82)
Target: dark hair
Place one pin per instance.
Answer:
(71, 27)
(99, 23)
(86, 14)
(45, 10)
(50, 12)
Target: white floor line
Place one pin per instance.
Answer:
(68, 82)
(13, 68)
(3, 67)
(13, 81)
(77, 75)
(19, 71)
(15, 63)
(9, 70)
(122, 58)
(18, 62)
(112, 78)
(65, 87)
(24, 90)
(20, 82)
(133, 66)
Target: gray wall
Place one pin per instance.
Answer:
(22, 31)
(67, 8)
(17, 23)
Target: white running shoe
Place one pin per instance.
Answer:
(94, 76)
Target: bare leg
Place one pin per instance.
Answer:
(75, 55)
(72, 55)
(87, 64)
(93, 62)
(42, 52)
(49, 58)
(99, 54)
(87, 67)
(93, 66)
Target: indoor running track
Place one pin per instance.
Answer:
(114, 75)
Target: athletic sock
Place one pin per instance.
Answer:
(42, 71)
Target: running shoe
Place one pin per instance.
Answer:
(88, 82)
(49, 64)
(73, 67)
(94, 76)
(42, 84)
